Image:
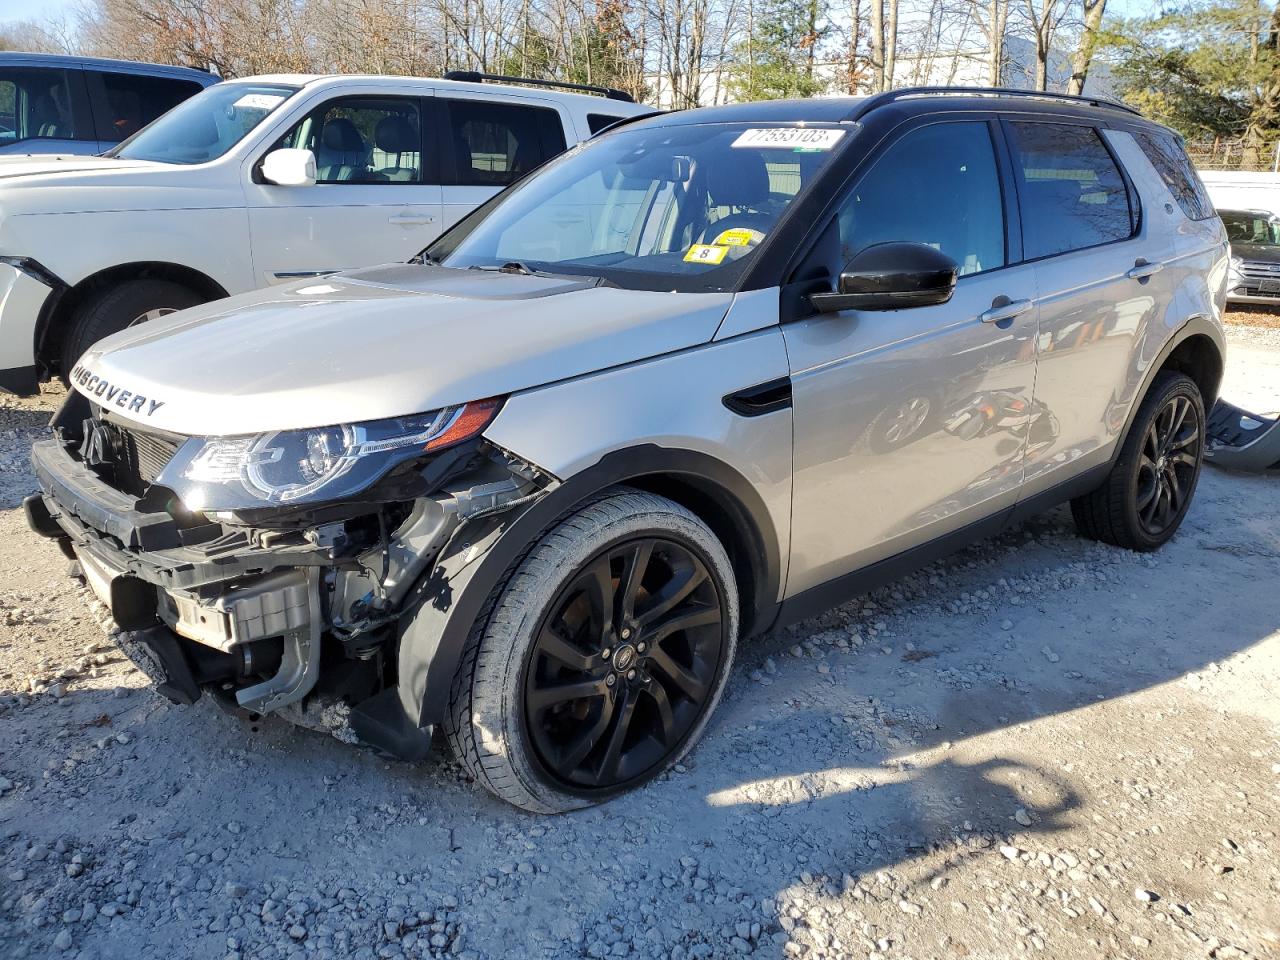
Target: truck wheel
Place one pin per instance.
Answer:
(599, 662)
(126, 305)
(1146, 495)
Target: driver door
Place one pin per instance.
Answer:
(376, 198)
(912, 423)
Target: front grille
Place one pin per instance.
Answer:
(1260, 270)
(132, 459)
(145, 454)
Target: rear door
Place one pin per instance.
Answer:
(376, 198)
(912, 423)
(1102, 270)
(490, 143)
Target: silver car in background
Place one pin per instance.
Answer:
(706, 374)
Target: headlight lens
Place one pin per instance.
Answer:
(316, 464)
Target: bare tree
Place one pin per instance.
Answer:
(1044, 17)
(1093, 11)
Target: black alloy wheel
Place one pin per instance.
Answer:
(623, 664)
(1170, 457)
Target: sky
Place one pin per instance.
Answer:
(39, 9)
(32, 9)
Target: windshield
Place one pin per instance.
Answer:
(1251, 228)
(666, 208)
(206, 126)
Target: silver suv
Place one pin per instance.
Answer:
(706, 374)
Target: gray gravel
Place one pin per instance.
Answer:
(1039, 747)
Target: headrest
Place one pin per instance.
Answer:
(395, 134)
(741, 182)
(341, 134)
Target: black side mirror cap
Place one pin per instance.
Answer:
(891, 276)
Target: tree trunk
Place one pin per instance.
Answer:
(855, 17)
(998, 17)
(1093, 10)
(877, 46)
(890, 44)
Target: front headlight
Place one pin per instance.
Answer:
(313, 465)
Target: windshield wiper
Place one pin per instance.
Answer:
(511, 266)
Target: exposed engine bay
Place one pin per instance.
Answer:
(285, 609)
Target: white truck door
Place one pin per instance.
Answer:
(376, 198)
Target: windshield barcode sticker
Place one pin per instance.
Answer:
(789, 138)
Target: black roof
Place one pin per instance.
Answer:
(909, 101)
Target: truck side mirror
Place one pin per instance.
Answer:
(289, 167)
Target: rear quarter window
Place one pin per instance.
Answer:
(598, 121)
(1072, 194)
(1170, 160)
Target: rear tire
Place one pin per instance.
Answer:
(1142, 502)
(121, 306)
(574, 686)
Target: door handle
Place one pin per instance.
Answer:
(1143, 270)
(410, 219)
(1007, 310)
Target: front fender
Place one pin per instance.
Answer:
(449, 600)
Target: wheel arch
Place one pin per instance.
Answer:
(59, 310)
(436, 623)
(1199, 357)
(1198, 349)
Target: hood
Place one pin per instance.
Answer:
(1261, 252)
(377, 343)
(54, 166)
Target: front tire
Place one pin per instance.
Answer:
(1146, 496)
(600, 660)
(119, 307)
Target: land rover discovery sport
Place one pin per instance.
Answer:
(707, 373)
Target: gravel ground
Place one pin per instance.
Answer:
(1040, 747)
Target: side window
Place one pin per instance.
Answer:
(1170, 160)
(498, 143)
(36, 104)
(598, 121)
(129, 102)
(363, 140)
(1073, 195)
(937, 185)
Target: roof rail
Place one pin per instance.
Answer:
(891, 96)
(474, 76)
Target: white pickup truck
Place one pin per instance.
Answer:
(257, 181)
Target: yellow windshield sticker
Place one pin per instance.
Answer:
(739, 237)
(705, 253)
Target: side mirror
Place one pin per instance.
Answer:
(289, 167)
(891, 276)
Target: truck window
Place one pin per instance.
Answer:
(598, 121)
(130, 101)
(36, 104)
(363, 140)
(498, 143)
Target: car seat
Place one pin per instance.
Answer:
(342, 154)
(397, 137)
(742, 186)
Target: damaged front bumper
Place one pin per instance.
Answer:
(266, 616)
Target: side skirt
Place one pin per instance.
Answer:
(844, 588)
